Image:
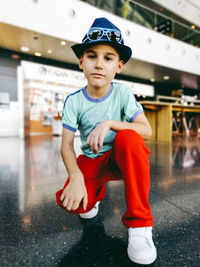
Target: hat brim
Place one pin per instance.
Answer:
(124, 51)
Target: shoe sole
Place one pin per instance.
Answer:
(144, 262)
(87, 216)
(83, 216)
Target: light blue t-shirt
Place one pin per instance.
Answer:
(82, 112)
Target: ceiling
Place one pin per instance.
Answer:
(187, 9)
(13, 38)
(163, 7)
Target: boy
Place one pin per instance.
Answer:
(112, 126)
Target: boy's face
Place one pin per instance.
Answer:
(100, 63)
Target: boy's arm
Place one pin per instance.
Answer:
(96, 137)
(76, 190)
(140, 125)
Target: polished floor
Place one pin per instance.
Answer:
(35, 231)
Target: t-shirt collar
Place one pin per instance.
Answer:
(97, 100)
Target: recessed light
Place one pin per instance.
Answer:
(152, 80)
(72, 12)
(183, 52)
(166, 77)
(35, 37)
(24, 48)
(63, 43)
(49, 51)
(128, 33)
(193, 27)
(149, 40)
(167, 46)
(38, 54)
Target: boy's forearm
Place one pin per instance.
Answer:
(70, 161)
(143, 129)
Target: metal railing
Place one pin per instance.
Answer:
(152, 19)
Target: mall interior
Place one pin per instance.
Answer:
(38, 70)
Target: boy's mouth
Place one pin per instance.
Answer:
(97, 75)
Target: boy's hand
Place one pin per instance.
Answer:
(96, 137)
(74, 193)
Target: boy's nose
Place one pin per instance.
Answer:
(99, 63)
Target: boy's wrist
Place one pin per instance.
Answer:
(109, 123)
(76, 175)
(112, 125)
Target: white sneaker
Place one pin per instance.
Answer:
(141, 248)
(92, 213)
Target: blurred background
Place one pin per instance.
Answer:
(38, 70)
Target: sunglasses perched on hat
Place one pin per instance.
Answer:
(96, 33)
(103, 31)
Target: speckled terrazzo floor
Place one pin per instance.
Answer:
(34, 231)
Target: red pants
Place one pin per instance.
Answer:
(128, 160)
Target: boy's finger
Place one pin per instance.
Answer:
(62, 197)
(85, 201)
(65, 202)
(88, 140)
(69, 205)
(95, 145)
(101, 142)
(75, 205)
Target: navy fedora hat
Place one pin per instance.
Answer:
(103, 31)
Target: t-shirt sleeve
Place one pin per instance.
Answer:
(131, 107)
(69, 115)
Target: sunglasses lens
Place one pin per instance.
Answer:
(114, 36)
(95, 34)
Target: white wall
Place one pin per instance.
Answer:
(9, 120)
(53, 17)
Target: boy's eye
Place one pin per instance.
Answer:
(108, 58)
(91, 56)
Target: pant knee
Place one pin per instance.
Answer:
(128, 138)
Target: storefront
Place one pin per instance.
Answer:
(41, 91)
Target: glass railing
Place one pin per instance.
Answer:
(151, 19)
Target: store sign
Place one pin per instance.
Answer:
(40, 72)
(62, 77)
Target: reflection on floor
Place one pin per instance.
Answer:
(34, 231)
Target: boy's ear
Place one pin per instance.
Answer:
(120, 66)
(80, 62)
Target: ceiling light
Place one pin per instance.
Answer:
(15, 56)
(63, 43)
(193, 27)
(24, 49)
(38, 54)
(152, 80)
(166, 77)
(49, 51)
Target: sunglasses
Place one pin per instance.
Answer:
(97, 33)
